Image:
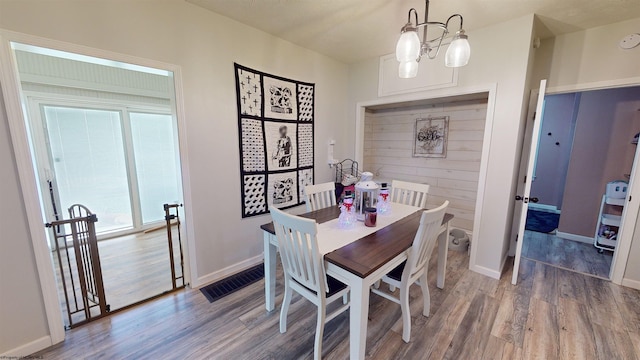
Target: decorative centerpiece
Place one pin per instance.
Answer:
(347, 218)
(366, 194)
(383, 205)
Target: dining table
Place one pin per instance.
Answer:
(359, 256)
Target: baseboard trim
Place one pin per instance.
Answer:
(574, 237)
(634, 284)
(229, 270)
(27, 349)
(486, 271)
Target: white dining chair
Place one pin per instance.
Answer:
(320, 196)
(415, 268)
(304, 271)
(409, 193)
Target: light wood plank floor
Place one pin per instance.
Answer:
(567, 254)
(551, 314)
(134, 268)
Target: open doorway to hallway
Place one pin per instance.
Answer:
(104, 135)
(585, 156)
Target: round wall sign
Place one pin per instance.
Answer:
(630, 41)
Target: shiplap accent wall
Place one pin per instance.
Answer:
(388, 149)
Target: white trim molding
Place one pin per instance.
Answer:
(432, 75)
(634, 284)
(228, 271)
(574, 237)
(27, 349)
(486, 271)
(19, 136)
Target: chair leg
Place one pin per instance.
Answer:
(406, 312)
(425, 295)
(286, 301)
(376, 285)
(317, 349)
(345, 298)
(392, 288)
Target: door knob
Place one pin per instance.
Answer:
(518, 198)
(534, 200)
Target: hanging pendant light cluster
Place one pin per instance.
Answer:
(410, 49)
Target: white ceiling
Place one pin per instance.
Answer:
(353, 30)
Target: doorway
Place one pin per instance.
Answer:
(586, 143)
(104, 134)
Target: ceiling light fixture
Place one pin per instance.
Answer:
(410, 49)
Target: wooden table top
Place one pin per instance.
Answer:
(366, 255)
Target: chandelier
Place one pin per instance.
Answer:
(410, 49)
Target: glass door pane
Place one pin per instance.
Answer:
(156, 160)
(87, 152)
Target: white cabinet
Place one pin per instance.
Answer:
(606, 237)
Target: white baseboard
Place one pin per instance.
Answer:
(543, 207)
(27, 349)
(486, 271)
(229, 270)
(634, 284)
(574, 237)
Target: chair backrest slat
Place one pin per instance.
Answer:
(425, 239)
(408, 193)
(320, 196)
(298, 245)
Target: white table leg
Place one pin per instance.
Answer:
(443, 246)
(358, 318)
(270, 251)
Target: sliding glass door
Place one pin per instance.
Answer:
(155, 149)
(87, 154)
(121, 163)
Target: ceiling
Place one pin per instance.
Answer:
(354, 30)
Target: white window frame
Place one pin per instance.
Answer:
(36, 102)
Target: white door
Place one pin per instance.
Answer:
(520, 216)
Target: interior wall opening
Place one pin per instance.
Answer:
(586, 151)
(104, 135)
(390, 132)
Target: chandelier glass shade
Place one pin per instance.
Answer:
(410, 49)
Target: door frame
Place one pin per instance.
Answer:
(12, 92)
(630, 214)
(491, 90)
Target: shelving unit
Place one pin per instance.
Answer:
(608, 225)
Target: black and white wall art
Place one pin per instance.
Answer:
(275, 120)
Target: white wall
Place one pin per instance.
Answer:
(205, 46)
(22, 313)
(388, 150)
(588, 56)
(500, 55)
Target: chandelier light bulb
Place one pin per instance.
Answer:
(408, 69)
(408, 46)
(458, 52)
